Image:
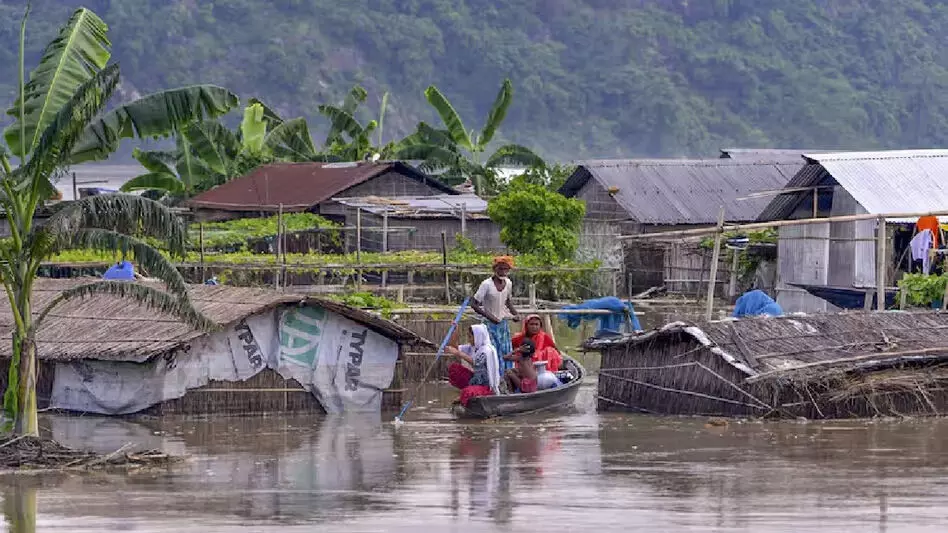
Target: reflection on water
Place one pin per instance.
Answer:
(570, 471)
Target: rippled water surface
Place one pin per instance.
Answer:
(570, 471)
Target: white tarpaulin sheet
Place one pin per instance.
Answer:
(343, 363)
(347, 364)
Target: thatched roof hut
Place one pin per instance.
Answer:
(105, 334)
(821, 366)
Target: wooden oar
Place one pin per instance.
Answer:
(444, 343)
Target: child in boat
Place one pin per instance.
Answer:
(483, 376)
(523, 376)
(545, 348)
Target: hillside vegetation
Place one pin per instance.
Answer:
(592, 78)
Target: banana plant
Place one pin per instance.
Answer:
(457, 153)
(350, 140)
(60, 118)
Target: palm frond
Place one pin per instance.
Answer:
(156, 264)
(155, 161)
(155, 115)
(273, 119)
(150, 297)
(253, 129)
(53, 149)
(450, 117)
(292, 138)
(342, 123)
(212, 143)
(154, 181)
(357, 95)
(498, 112)
(69, 61)
(124, 213)
(515, 154)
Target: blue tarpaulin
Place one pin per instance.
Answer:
(121, 271)
(756, 303)
(607, 323)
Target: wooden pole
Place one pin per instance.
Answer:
(881, 264)
(283, 275)
(444, 262)
(75, 187)
(615, 283)
(463, 220)
(359, 246)
(774, 224)
(384, 244)
(715, 257)
(279, 242)
(735, 264)
(816, 202)
(532, 294)
(201, 243)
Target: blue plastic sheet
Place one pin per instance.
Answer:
(607, 323)
(756, 303)
(122, 271)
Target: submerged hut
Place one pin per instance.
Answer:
(275, 351)
(823, 366)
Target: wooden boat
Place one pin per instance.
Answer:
(516, 404)
(847, 297)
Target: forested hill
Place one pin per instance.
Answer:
(600, 78)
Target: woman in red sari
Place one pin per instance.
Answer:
(545, 347)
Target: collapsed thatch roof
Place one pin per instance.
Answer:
(771, 347)
(109, 328)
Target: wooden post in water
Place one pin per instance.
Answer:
(201, 243)
(880, 264)
(384, 244)
(715, 257)
(735, 264)
(279, 243)
(359, 246)
(444, 262)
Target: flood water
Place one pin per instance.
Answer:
(569, 471)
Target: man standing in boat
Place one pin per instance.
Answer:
(492, 301)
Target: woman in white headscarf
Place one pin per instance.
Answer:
(482, 377)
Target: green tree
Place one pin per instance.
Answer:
(59, 119)
(536, 220)
(550, 176)
(458, 153)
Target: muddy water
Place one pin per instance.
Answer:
(570, 471)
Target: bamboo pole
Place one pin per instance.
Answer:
(541, 312)
(201, 241)
(444, 262)
(463, 220)
(735, 264)
(359, 247)
(715, 258)
(384, 245)
(279, 242)
(881, 264)
(775, 224)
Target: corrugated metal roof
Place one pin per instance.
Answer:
(894, 181)
(409, 206)
(686, 191)
(300, 186)
(759, 154)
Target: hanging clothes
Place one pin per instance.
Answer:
(930, 224)
(921, 245)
